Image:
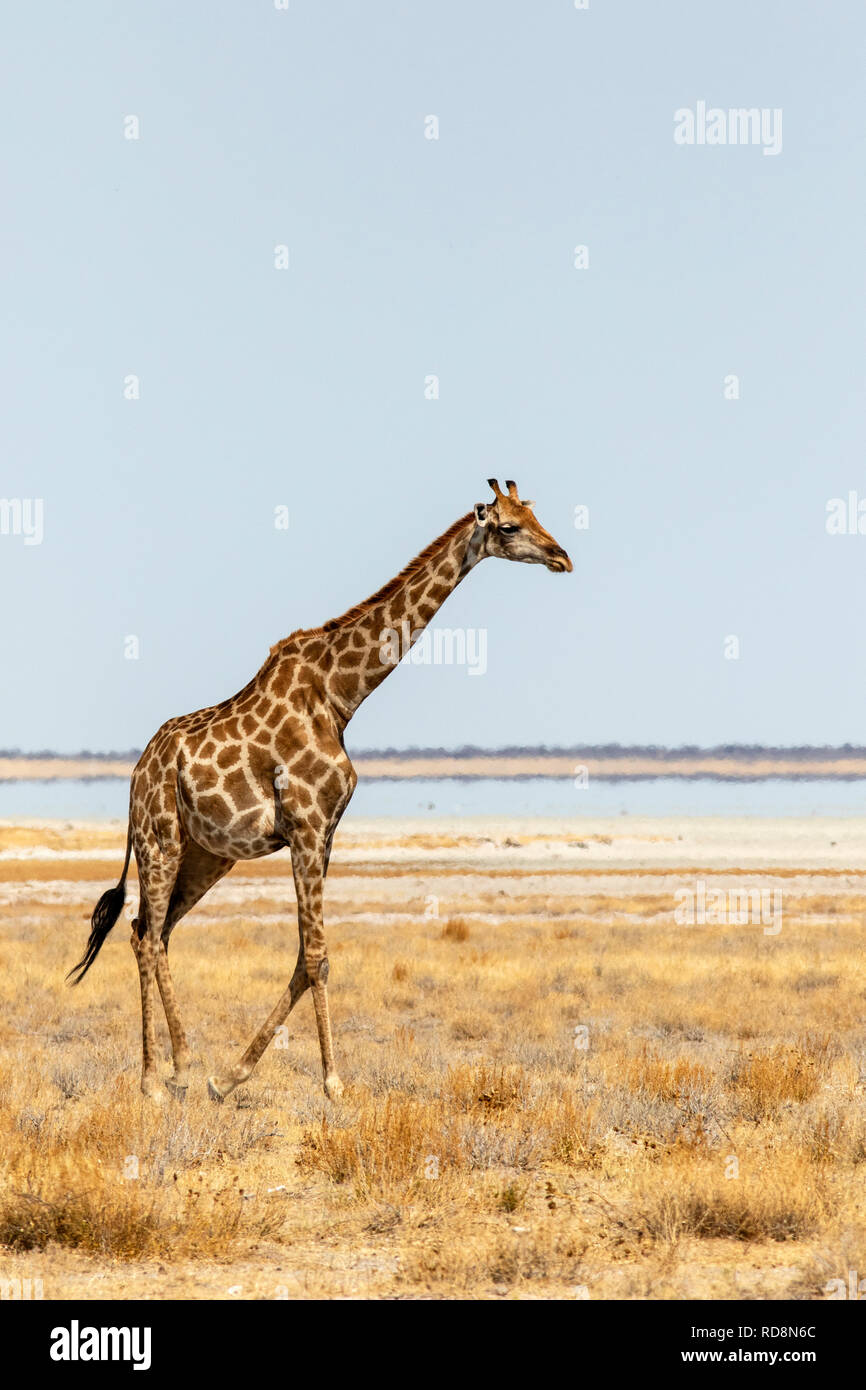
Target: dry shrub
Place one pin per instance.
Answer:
(512, 1196)
(399, 1144)
(487, 1088)
(445, 1262)
(92, 1221)
(63, 1179)
(455, 929)
(494, 1145)
(783, 1198)
(573, 1133)
(815, 979)
(657, 1077)
(767, 1080)
(542, 1254)
(832, 1137)
(514, 1257)
(100, 1213)
(469, 1028)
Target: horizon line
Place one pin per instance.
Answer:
(804, 751)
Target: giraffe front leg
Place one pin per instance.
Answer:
(332, 1083)
(220, 1086)
(309, 860)
(311, 972)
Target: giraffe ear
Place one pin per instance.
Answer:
(481, 513)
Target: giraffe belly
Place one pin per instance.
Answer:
(215, 823)
(234, 846)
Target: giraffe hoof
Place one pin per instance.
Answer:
(333, 1087)
(215, 1091)
(155, 1093)
(177, 1089)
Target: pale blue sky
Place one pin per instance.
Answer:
(408, 257)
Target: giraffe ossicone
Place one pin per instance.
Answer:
(268, 769)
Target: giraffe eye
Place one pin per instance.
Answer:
(509, 530)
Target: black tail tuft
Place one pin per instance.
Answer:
(105, 914)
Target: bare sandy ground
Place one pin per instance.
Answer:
(577, 844)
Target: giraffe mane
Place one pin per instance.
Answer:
(386, 591)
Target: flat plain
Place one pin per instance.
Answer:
(620, 1059)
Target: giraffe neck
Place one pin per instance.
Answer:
(367, 643)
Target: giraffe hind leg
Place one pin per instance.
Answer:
(199, 871)
(157, 872)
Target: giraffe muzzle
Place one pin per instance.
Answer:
(559, 563)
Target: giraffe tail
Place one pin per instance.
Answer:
(105, 914)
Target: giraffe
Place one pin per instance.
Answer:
(268, 769)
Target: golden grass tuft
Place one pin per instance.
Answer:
(574, 1135)
(85, 1209)
(486, 1087)
(665, 1079)
(787, 1072)
(455, 929)
(400, 1144)
(781, 1198)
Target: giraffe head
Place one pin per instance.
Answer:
(510, 531)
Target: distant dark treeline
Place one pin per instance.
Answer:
(751, 752)
(128, 755)
(746, 752)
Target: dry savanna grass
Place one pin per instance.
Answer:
(552, 1089)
